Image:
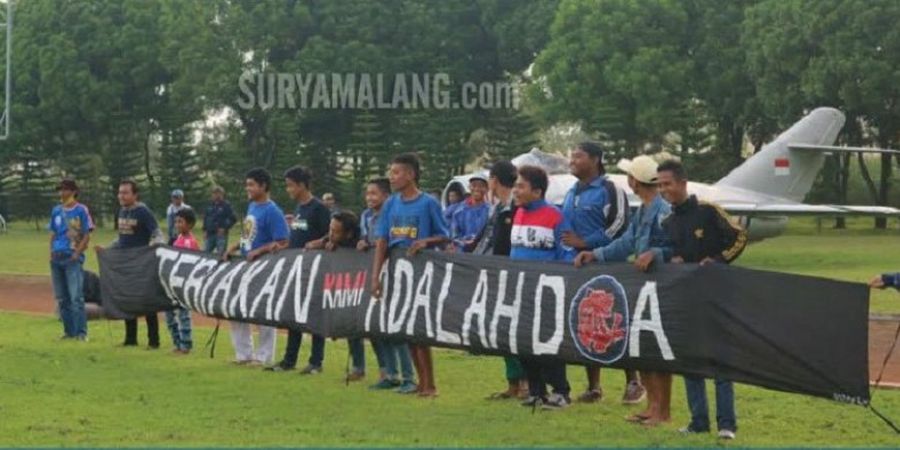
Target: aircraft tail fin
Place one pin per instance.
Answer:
(779, 171)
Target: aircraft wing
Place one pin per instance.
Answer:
(800, 209)
(840, 149)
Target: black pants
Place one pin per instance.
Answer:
(542, 372)
(292, 350)
(152, 331)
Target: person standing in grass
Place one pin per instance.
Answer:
(412, 220)
(217, 221)
(650, 244)
(70, 232)
(137, 228)
(179, 319)
(537, 233)
(495, 240)
(598, 211)
(343, 232)
(377, 192)
(309, 223)
(264, 231)
(701, 233)
(176, 205)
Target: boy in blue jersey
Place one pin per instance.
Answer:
(264, 231)
(70, 232)
(410, 219)
(471, 217)
(537, 233)
(377, 192)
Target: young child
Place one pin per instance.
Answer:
(179, 319)
(377, 192)
(343, 232)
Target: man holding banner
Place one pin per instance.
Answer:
(701, 233)
(537, 233)
(646, 239)
(264, 231)
(598, 211)
(410, 219)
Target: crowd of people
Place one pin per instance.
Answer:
(504, 213)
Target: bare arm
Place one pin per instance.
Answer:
(380, 257)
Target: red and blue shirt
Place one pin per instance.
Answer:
(537, 233)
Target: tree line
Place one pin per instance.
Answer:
(112, 89)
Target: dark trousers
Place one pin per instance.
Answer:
(695, 387)
(543, 372)
(292, 350)
(152, 331)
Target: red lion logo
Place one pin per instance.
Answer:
(594, 313)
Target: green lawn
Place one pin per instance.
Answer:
(55, 393)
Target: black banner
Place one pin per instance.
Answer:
(786, 332)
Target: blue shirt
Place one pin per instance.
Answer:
(368, 225)
(451, 209)
(136, 226)
(891, 280)
(644, 233)
(537, 233)
(69, 227)
(263, 225)
(598, 211)
(468, 221)
(403, 222)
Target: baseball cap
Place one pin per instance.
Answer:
(478, 176)
(67, 184)
(178, 193)
(642, 168)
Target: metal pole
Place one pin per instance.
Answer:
(9, 22)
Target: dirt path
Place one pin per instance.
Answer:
(34, 294)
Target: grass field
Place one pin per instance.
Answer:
(96, 394)
(55, 393)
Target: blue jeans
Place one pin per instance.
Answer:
(696, 397)
(68, 288)
(179, 322)
(357, 354)
(215, 244)
(394, 353)
(292, 350)
(378, 349)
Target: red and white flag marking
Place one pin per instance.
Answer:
(782, 166)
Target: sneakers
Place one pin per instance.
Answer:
(385, 384)
(556, 402)
(407, 387)
(81, 338)
(311, 370)
(280, 367)
(727, 434)
(532, 402)
(591, 396)
(689, 430)
(634, 393)
(356, 376)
